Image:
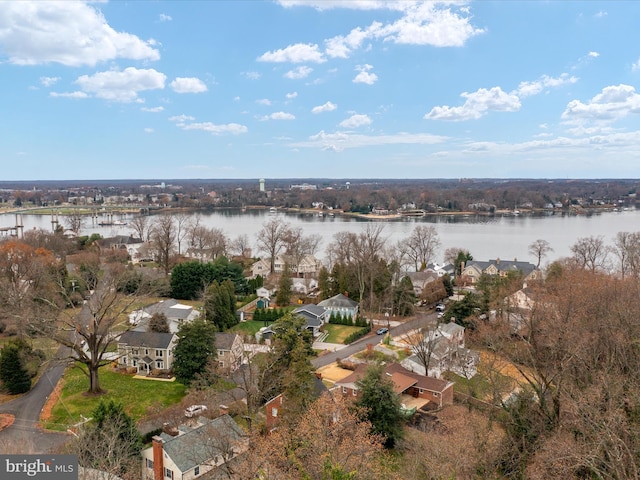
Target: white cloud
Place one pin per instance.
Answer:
(477, 104)
(593, 54)
(355, 121)
(291, 95)
(164, 17)
(121, 86)
(153, 109)
(76, 94)
(366, 77)
(340, 141)
(613, 103)
(188, 85)
(232, 128)
(526, 89)
(69, 33)
(279, 116)
(264, 101)
(298, 73)
(297, 53)
(181, 119)
(636, 66)
(327, 107)
(48, 81)
(252, 75)
(149, 130)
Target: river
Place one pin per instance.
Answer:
(505, 237)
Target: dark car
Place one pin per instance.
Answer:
(382, 331)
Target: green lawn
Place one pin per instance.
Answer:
(479, 386)
(247, 328)
(137, 396)
(337, 333)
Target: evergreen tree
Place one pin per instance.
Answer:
(220, 305)
(323, 284)
(13, 373)
(283, 296)
(195, 347)
(381, 405)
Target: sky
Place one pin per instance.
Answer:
(341, 89)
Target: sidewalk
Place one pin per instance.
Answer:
(328, 346)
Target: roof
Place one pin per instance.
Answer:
(401, 378)
(338, 301)
(171, 309)
(450, 328)
(202, 443)
(118, 240)
(315, 310)
(224, 341)
(503, 265)
(146, 339)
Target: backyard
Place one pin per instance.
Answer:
(137, 395)
(338, 333)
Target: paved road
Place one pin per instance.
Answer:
(420, 320)
(25, 436)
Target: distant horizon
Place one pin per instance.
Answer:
(191, 91)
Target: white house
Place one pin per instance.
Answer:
(194, 450)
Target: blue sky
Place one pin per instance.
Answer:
(332, 89)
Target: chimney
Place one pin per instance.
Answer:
(223, 409)
(497, 261)
(158, 463)
(318, 375)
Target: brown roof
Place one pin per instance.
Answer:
(401, 378)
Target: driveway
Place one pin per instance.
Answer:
(25, 435)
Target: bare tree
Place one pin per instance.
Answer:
(539, 249)
(163, 239)
(141, 226)
(272, 239)
(421, 246)
(75, 221)
(627, 249)
(591, 253)
(422, 345)
(241, 246)
(210, 243)
(182, 222)
(298, 246)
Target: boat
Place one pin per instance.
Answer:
(119, 222)
(273, 210)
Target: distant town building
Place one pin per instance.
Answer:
(262, 184)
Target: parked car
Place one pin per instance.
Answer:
(195, 410)
(440, 307)
(382, 331)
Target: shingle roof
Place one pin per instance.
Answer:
(314, 310)
(201, 444)
(224, 341)
(503, 265)
(400, 377)
(338, 301)
(171, 309)
(146, 339)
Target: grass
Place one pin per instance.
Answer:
(249, 327)
(478, 386)
(337, 333)
(138, 396)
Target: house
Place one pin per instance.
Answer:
(340, 304)
(474, 269)
(442, 270)
(314, 315)
(121, 242)
(176, 314)
(413, 388)
(194, 451)
(304, 285)
(273, 409)
(307, 265)
(447, 352)
(421, 279)
(230, 348)
(146, 351)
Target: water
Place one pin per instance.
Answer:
(505, 237)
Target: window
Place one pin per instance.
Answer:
(149, 463)
(344, 389)
(146, 351)
(159, 364)
(196, 471)
(221, 364)
(355, 392)
(220, 353)
(168, 473)
(159, 353)
(274, 412)
(134, 363)
(436, 394)
(135, 351)
(421, 390)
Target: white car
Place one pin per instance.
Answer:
(195, 410)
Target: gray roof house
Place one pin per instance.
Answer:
(340, 304)
(176, 314)
(146, 351)
(194, 451)
(314, 315)
(474, 269)
(230, 350)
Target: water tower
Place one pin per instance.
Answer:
(262, 184)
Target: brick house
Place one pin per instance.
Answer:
(427, 392)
